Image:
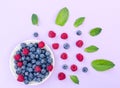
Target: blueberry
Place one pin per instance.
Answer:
(65, 66)
(35, 74)
(47, 53)
(36, 45)
(35, 34)
(31, 75)
(15, 66)
(43, 51)
(37, 56)
(43, 71)
(42, 61)
(32, 56)
(38, 50)
(23, 67)
(23, 58)
(42, 55)
(32, 49)
(18, 71)
(23, 45)
(25, 77)
(43, 65)
(26, 82)
(66, 46)
(50, 60)
(34, 66)
(30, 69)
(15, 61)
(35, 79)
(39, 75)
(26, 73)
(85, 69)
(42, 76)
(24, 62)
(39, 79)
(78, 32)
(47, 73)
(18, 52)
(29, 65)
(38, 63)
(23, 71)
(28, 58)
(30, 45)
(33, 61)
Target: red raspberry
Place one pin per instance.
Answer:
(37, 69)
(25, 51)
(61, 76)
(20, 64)
(79, 57)
(17, 57)
(20, 78)
(74, 67)
(64, 56)
(64, 36)
(79, 43)
(51, 34)
(55, 45)
(50, 67)
(41, 44)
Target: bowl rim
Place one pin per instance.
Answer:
(17, 47)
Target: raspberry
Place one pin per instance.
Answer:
(20, 78)
(79, 57)
(37, 69)
(74, 67)
(61, 76)
(25, 51)
(51, 34)
(79, 43)
(64, 36)
(17, 57)
(55, 45)
(64, 56)
(41, 44)
(20, 64)
(50, 67)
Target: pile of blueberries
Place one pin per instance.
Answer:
(33, 63)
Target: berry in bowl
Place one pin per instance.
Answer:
(32, 62)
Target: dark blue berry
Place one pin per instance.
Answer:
(65, 66)
(26, 82)
(78, 32)
(66, 46)
(35, 34)
(23, 45)
(85, 69)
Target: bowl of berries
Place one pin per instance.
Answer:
(32, 62)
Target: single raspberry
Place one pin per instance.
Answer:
(41, 44)
(51, 34)
(74, 67)
(55, 45)
(50, 67)
(64, 56)
(64, 36)
(37, 69)
(79, 43)
(17, 57)
(61, 76)
(25, 51)
(79, 57)
(20, 78)
(20, 64)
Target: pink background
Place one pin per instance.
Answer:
(15, 27)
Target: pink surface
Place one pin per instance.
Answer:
(15, 20)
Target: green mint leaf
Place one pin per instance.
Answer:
(91, 49)
(79, 21)
(102, 65)
(34, 19)
(74, 79)
(62, 17)
(95, 31)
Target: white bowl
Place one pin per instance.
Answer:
(12, 61)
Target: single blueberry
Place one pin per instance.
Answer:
(78, 32)
(18, 52)
(30, 79)
(32, 49)
(26, 82)
(38, 63)
(31, 75)
(30, 69)
(30, 45)
(38, 50)
(43, 71)
(23, 71)
(37, 56)
(42, 61)
(23, 45)
(50, 60)
(26, 73)
(24, 62)
(65, 66)
(18, 71)
(42, 55)
(36, 45)
(32, 56)
(39, 79)
(47, 53)
(25, 77)
(39, 75)
(66, 46)
(33, 61)
(47, 73)
(23, 58)
(35, 79)
(85, 69)
(23, 67)
(15, 61)
(42, 76)
(29, 65)
(34, 66)
(16, 67)
(43, 51)
(35, 34)
(28, 58)
(43, 65)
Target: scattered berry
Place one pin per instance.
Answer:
(35, 34)
(66, 46)
(51, 34)
(55, 45)
(74, 67)
(78, 32)
(20, 78)
(79, 43)
(41, 44)
(50, 67)
(37, 69)
(17, 57)
(61, 76)
(84, 69)
(25, 51)
(65, 66)
(64, 36)
(79, 57)
(20, 64)
(64, 56)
